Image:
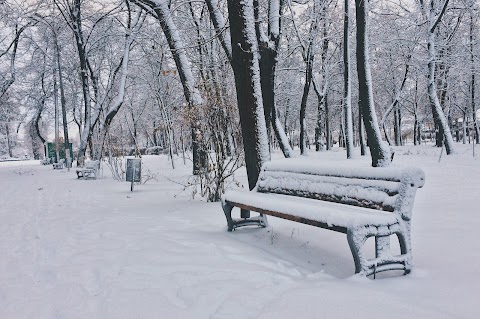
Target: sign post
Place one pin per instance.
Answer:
(134, 171)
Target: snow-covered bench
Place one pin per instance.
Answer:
(89, 170)
(360, 202)
(60, 164)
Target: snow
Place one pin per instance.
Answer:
(92, 249)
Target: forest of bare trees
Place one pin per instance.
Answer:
(223, 83)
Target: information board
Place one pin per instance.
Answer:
(134, 170)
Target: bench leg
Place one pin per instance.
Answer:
(227, 209)
(383, 257)
(356, 240)
(405, 249)
(234, 223)
(382, 246)
(263, 220)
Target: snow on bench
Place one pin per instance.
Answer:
(89, 170)
(360, 202)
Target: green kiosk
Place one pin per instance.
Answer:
(51, 153)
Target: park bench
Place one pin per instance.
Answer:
(90, 170)
(360, 202)
(60, 164)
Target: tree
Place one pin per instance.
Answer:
(379, 151)
(308, 55)
(472, 78)
(161, 11)
(347, 93)
(72, 13)
(59, 69)
(433, 20)
(268, 44)
(116, 102)
(247, 80)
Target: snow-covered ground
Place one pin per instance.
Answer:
(92, 249)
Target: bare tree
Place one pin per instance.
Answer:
(347, 91)
(379, 151)
(161, 11)
(472, 78)
(433, 19)
(247, 79)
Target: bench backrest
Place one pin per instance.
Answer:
(92, 165)
(387, 189)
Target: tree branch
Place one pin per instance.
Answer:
(439, 18)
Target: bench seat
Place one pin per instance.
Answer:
(334, 216)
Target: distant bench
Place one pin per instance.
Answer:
(46, 161)
(60, 164)
(359, 202)
(90, 170)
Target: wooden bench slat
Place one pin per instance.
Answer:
(380, 195)
(325, 213)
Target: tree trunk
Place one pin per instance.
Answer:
(34, 139)
(432, 86)
(328, 129)
(247, 80)
(275, 8)
(416, 129)
(267, 63)
(397, 126)
(117, 102)
(57, 118)
(308, 57)
(75, 13)
(473, 83)
(387, 134)
(303, 105)
(321, 95)
(347, 86)
(361, 134)
(219, 25)
(379, 151)
(319, 146)
(9, 141)
(63, 103)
